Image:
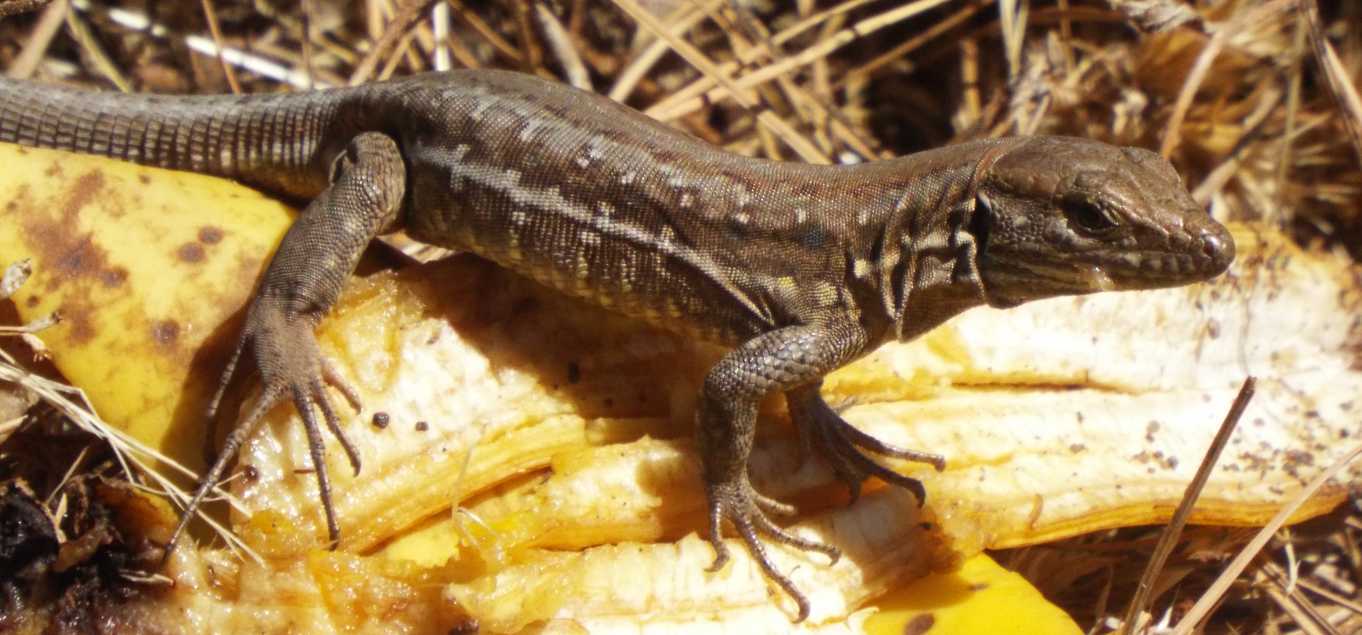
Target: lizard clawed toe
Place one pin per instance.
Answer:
(841, 445)
(290, 364)
(743, 507)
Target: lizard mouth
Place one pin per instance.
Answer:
(1151, 270)
(1198, 254)
(1012, 285)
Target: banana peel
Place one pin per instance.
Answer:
(531, 443)
(146, 287)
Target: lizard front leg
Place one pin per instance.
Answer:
(781, 360)
(302, 282)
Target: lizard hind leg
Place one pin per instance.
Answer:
(842, 444)
(303, 280)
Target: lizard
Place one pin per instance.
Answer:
(797, 269)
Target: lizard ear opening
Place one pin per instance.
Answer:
(981, 221)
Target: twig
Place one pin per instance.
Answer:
(80, 32)
(917, 41)
(1202, 66)
(1155, 16)
(560, 45)
(1169, 538)
(487, 32)
(699, 60)
(1212, 596)
(1253, 129)
(132, 455)
(35, 47)
(205, 46)
(1338, 76)
(305, 8)
(627, 78)
(688, 99)
(394, 33)
(1293, 100)
(211, 16)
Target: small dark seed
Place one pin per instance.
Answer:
(422, 426)
(380, 420)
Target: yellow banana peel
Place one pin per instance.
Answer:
(536, 467)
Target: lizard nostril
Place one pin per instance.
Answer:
(1211, 246)
(1218, 247)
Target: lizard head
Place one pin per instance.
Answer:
(1063, 216)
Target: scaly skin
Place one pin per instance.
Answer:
(800, 269)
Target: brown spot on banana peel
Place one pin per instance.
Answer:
(165, 333)
(190, 253)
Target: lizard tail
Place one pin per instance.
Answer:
(269, 141)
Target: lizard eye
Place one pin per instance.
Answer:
(1090, 217)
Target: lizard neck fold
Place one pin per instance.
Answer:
(929, 267)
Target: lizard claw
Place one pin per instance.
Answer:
(737, 501)
(290, 363)
(841, 444)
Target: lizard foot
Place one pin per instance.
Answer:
(291, 366)
(841, 444)
(737, 501)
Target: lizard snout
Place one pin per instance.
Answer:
(1217, 246)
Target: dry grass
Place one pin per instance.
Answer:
(1253, 100)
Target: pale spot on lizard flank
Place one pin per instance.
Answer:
(581, 269)
(801, 215)
(787, 287)
(686, 200)
(480, 109)
(861, 268)
(582, 161)
(825, 293)
(519, 218)
(890, 260)
(595, 149)
(863, 217)
(742, 218)
(604, 209)
(666, 236)
(743, 197)
(513, 241)
(628, 177)
(527, 131)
